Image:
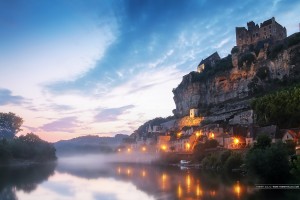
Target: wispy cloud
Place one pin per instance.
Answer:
(67, 124)
(6, 97)
(111, 114)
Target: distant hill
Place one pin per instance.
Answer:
(89, 144)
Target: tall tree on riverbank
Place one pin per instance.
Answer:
(10, 124)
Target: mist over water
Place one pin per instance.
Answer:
(96, 160)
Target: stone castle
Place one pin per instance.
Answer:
(268, 29)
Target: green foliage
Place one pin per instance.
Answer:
(293, 39)
(247, 58)
(211, 144)
(235, 49)
(211, 161)
(275, 50)
(28, 147)
(281, 108)
(263, 72)
(224, 156)
(291, 147)
(270, 164)
(220, 66)
(234, 161)
(10, 124)
(295, 171)
(263, 142)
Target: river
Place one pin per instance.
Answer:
(82, 180)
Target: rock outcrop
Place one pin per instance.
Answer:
(225, 94)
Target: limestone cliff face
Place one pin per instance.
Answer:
(218, 94)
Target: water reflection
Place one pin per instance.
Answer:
(25, 179)
(123, 181)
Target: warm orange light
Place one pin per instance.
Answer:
(237, 189)
(144, 149)
(119, 170)
(164, 177)
(188, 183)
(236, 141)
(119, 150)
(128, 149)
(179, 191)
(164, 147)
(179, 134)
(143, 173)
(128, 171)
(198, 134)
(199, 192)
(188, 146)
(212, 136)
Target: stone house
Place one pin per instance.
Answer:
(255, 33)
(210, 61)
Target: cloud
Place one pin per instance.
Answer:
(111, 114)
(6, 98)
(67, 124)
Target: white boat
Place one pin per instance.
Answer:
(184, 162)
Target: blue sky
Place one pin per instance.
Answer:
(79, 67)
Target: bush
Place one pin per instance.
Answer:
(275, 50)
(234, 50)
(224, 156)
(28, 147)
(270, 164)
(281, 108)
(234, 161)
(263, 72)
(247, 58)
(293, 39)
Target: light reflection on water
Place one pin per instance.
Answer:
(120, 182)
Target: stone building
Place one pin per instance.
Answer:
(210, 61)
(255, 33)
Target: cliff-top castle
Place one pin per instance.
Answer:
(268, 29)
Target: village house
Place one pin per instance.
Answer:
(290, 135)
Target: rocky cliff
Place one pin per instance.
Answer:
(224, 92)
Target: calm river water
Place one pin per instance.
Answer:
(79, 179)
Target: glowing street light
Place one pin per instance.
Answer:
(144, 149)
(188, 146)
(119, 150)
(236, 141)
(164, 147)
(128, 150)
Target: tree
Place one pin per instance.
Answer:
(10, 124)
(263, 141)
(269, 163)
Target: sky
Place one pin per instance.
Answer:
(104, 67)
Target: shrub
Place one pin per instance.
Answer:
(234, 50)
(293, 39)
(234, 161)
(247, 58)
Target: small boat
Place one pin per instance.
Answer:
(184, 162)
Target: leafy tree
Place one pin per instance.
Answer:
(269, 163)
(263, 141)
(10, 124)
(282, 108)
(234, 161)
(211, 144)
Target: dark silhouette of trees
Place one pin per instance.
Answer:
(10, 124)
(269, 162)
